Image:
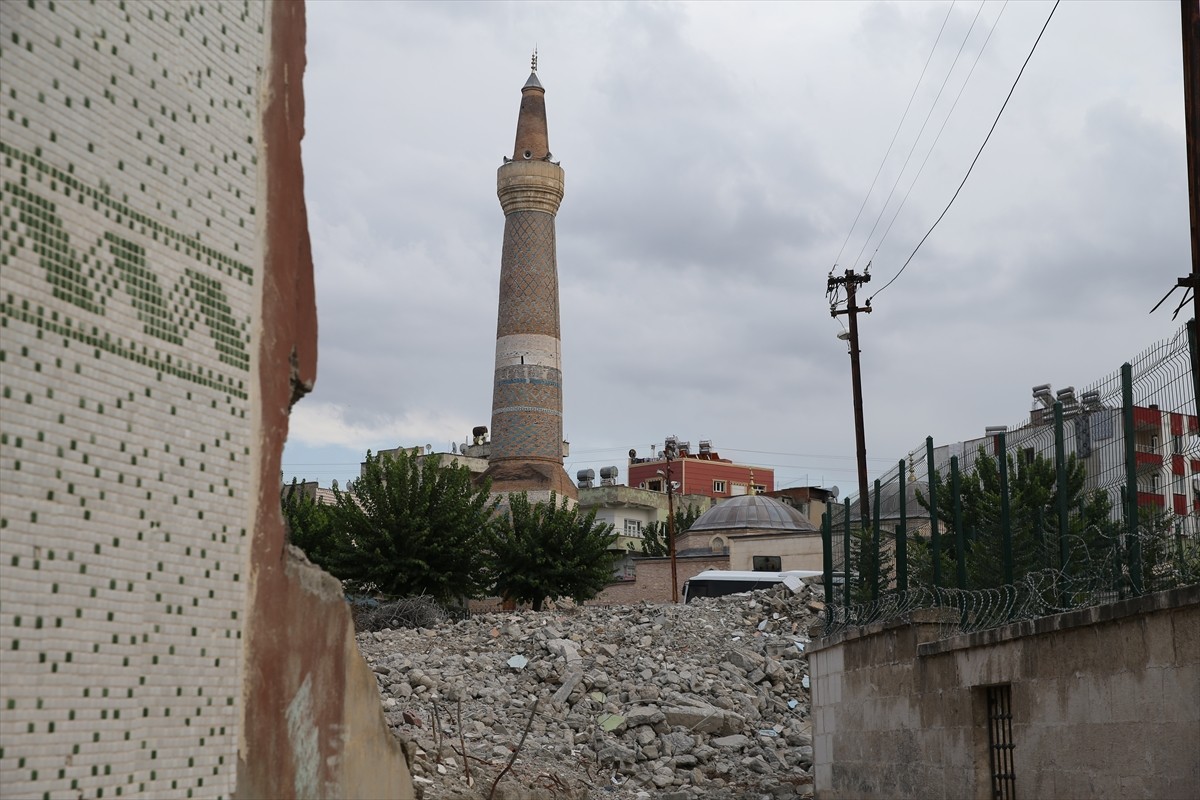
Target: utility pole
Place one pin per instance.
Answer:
(1190, 25)
(852, 281)
(669, 454)
(1190, 28)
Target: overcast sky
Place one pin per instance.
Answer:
(716, 156)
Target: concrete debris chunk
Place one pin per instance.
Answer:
(793, 584)
(568, 685)
(700, 719)
(566, 649)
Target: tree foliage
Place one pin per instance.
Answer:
(655, 535)
(874, 566)
(410, 526)
(547, 550)
(1033, 513)
(308, 522)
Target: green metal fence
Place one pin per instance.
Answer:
(1093, 498)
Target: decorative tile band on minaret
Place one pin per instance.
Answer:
(527, 430)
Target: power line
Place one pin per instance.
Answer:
(920, 133)
(894, 135)
(977, 155)
(938, 138)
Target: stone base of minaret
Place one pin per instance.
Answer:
(535, 478)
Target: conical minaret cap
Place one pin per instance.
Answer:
(533, 140)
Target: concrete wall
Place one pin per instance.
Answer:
(795, 550)
(1105, 703)
(157, 321)
(653, 581)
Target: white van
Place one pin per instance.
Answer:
(718, 582)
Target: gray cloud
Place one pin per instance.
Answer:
(715, 156)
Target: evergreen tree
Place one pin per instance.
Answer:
(874, 566)
(1033, 514)
(549, 550)
(410, 526)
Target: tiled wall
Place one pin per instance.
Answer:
(127, 288)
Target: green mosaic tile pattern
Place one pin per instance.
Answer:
(127, 291)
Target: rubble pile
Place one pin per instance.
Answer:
(672, 702)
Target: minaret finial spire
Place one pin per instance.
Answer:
(533, 60)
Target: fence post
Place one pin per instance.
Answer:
(1006, 541)
(1064, 520)
(1194, 350)
(827, 552)
(1131, 492)
(1118, 559)
(1039, 536)
(902, 536)
(935, 544)
(960, 543)
(846, 543)
(875, 564)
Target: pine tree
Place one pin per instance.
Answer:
(1033, 514)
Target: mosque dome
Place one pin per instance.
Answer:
(752, 512)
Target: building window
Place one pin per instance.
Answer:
(633, 527)
(655, 485)
(767, 564)
(759, 488)
(1000, 741)
(718, 487)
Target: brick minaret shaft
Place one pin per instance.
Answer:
(527, 430)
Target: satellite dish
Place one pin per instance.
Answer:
(428, 448)
(834, 492)
(632, 453)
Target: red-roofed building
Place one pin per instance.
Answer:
(701, 471)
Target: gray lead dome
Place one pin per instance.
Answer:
(752, 512)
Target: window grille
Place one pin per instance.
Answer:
(1000, 741)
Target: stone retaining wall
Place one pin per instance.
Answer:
(1104, 701)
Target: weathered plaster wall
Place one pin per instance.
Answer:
(795, 551)
(1105, 702)
(156, 322)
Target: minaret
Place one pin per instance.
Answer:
(527, 430)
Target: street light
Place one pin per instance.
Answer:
(669, 454)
